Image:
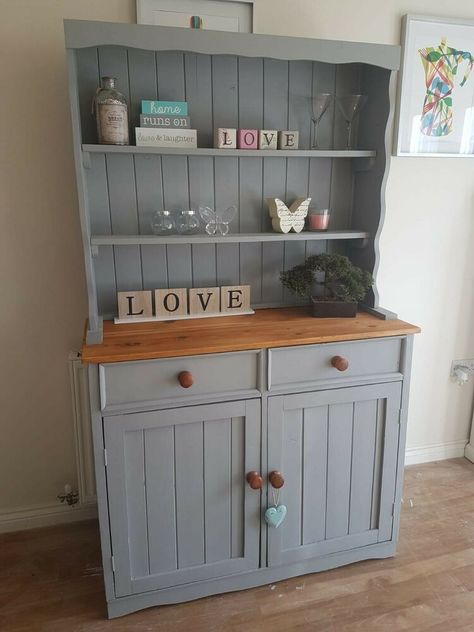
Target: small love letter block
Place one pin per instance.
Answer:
(225, 138)
(204, 300)
(288, 140)
(235, 298)
(267, 139)
(134, 305)
(247, 139)
(171, 302)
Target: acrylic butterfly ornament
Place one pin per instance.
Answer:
(217, 222)
(285, 219)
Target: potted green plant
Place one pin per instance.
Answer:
(333, 284)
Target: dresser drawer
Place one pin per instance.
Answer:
(125, 383)
(292, 366)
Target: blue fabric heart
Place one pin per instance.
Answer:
(274, 516)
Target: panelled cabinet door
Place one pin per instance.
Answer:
(337, 451)
(180, 508)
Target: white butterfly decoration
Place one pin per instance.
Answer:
(217, 222)
(285, 219)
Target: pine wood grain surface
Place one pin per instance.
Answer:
(266, 328)
(50, 579)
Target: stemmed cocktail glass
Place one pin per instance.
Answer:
(350, 106)
(319, 105)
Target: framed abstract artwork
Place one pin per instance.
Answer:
(436, 88)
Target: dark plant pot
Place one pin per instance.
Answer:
(333, 309)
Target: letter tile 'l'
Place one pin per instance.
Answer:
(134, 304)
(225, 138)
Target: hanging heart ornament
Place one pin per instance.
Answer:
(274, 516)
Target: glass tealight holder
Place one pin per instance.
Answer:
(318, 219)
(162, 223)
(187, 222)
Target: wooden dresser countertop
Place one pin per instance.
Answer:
(284, 327)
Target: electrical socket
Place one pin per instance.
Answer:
(465, 364)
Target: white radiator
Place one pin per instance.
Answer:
(82, 429)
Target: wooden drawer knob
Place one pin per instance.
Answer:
(185, 378)
(255, 480)
(340, 363)
(276, 479)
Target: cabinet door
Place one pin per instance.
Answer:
(180, 508)
(337, 451)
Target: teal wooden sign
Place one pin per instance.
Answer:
(167, 108)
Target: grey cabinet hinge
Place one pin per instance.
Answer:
(105, 457)
(393, 509)
(112, 562)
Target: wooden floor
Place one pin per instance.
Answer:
(50, 579)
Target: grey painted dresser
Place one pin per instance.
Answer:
(178, 518)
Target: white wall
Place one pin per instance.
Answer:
(43, 301)
(426, 274)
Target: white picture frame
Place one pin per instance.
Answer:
(217, 15)
(437, 53)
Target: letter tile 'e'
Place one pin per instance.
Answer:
(225, 138)
(288, 140)
(267, 139)
(132, 305)
(235, 298)
(172, 302)
(204, 300)
(247, 139)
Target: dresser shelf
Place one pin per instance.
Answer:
(232, 238)
(250, 153)
(261, 83)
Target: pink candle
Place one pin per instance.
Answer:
(318, 220)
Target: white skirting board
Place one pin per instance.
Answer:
(469, 452)
(435, 452)
(21, 518)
